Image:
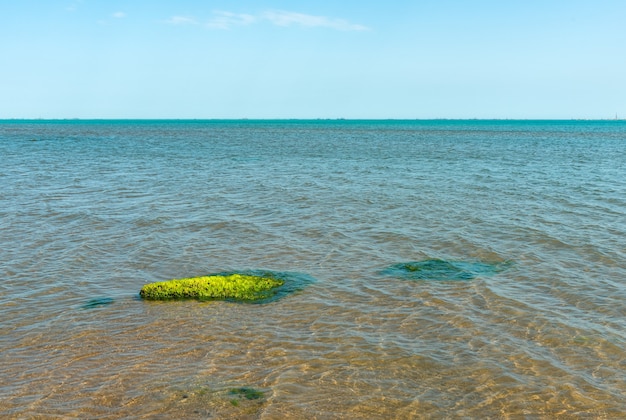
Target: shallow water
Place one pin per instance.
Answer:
(92, 210)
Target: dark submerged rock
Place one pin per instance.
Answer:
(94, 303)
(442, 270)
(248, 393)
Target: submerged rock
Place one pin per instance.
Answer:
(94, 303)
(442, 270)
(253, 286)
(248, 393)
(207, 402)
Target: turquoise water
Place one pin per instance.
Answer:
(521, 224)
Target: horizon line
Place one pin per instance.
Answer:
(312, 119)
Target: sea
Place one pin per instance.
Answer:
(440, 269)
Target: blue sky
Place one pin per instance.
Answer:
(312, 59)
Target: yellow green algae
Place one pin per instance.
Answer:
(235, 286)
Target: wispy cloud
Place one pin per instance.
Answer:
(284, 18)
(228, 20)
(119, 15)
(182, 20)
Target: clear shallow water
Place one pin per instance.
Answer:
(91, 211)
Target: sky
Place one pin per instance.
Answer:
(266, 59)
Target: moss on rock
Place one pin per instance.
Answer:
(241, 287)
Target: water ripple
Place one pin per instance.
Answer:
(91, 211)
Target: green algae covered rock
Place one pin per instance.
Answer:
(234, 286)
